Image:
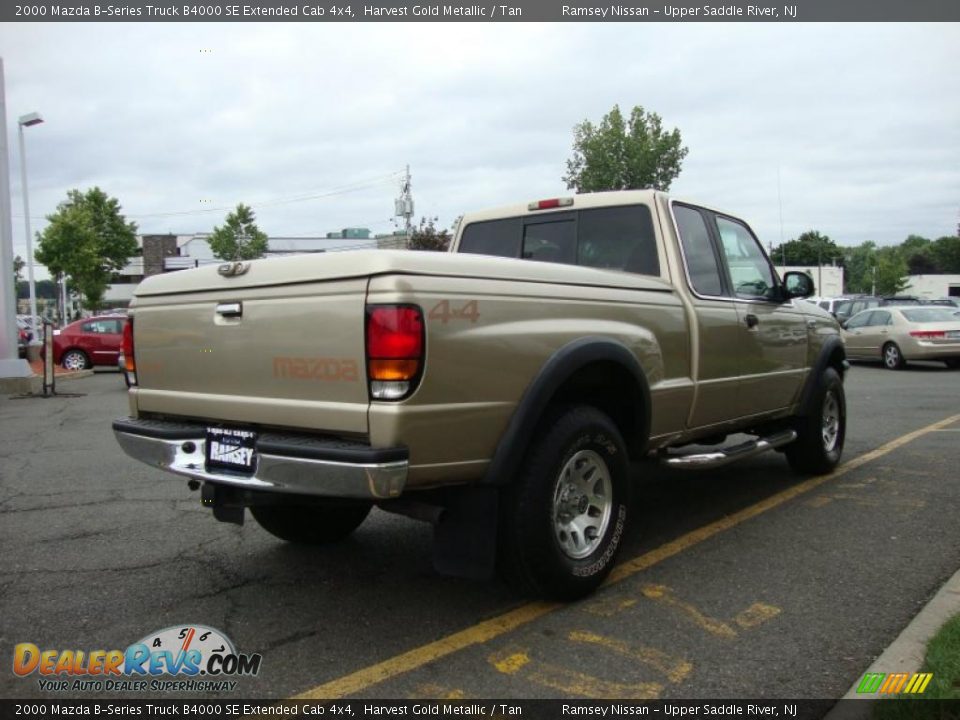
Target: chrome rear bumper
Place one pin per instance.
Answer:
(290, 464)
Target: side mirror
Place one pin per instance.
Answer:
(797, 284)
(844, 324)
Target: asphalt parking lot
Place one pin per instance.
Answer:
(748, 582)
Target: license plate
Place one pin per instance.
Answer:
(231, 449)
(954, 334)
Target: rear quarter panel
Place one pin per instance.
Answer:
(479, 364)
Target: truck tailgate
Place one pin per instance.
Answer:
(281, 355)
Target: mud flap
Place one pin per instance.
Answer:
(465, 538)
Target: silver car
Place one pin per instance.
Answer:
(898, 334)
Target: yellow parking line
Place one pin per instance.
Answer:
(489, 629)
(663, 594)
(675, 668)
(515, 661)
(756, 614)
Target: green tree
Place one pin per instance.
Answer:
(946, 251)
(18, 265)
(45, 289)
(892, 271)
(623, 154)
(918, 252)
(239, 238)
(426, 236)
(810, 248)
(88, 240)
(859, 263)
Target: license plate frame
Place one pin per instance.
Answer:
(231, 450)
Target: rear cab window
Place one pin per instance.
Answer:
(619, 237)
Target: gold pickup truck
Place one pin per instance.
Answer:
(500, 390)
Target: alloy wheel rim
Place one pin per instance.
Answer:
(830, 426)
(582, 504)
(892, 355)
(73, 361)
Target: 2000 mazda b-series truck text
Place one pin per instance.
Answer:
(500, 390)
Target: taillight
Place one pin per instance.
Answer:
(394, 350)
(928, 334)
(126, 347)
(551, 203)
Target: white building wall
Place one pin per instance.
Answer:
(933, 286)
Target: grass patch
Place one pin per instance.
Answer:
(943, 660)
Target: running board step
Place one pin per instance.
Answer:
(718, 458)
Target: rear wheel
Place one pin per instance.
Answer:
(821, 433)
(74, 360)
(310, 524)
(952, 363)
(562, 520)
(892, 357)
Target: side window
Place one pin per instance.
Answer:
(749, 268)
(551, 242)
(698, 252)
(495, 237)
(618, 238)
(858, 321)
(880, 317)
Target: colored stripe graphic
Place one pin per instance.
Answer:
(871, 682)
(919, 683)
(894, 683)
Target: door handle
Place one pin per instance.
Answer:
(230, 309)
(752, 320)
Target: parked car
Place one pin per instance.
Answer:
(898, 334)
(86, 343)
(901, 300)
(830, 304)
(846, 309)
(950, 302)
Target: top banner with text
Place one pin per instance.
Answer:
(481, 11)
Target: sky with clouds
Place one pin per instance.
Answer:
(312, 123)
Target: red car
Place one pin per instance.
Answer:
(85, 343)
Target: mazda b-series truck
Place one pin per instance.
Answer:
(500, 390)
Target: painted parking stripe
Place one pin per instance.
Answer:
(509, 621)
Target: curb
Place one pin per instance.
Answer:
(33, 384)
(906, 653)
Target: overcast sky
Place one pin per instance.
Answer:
(862, 122)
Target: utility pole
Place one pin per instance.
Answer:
(404, 206)
(11, 366)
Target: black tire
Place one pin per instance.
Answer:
(75, 360)
(310, 523)
(821, 433)
(952, 363)
(892, 357)
(538, 553)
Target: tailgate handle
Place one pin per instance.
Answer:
(234, 309)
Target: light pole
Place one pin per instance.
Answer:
(28, 120)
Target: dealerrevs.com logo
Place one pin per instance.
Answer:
(182, 658)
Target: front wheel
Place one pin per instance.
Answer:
(310, 523)
(562, 520)
(821, 433)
